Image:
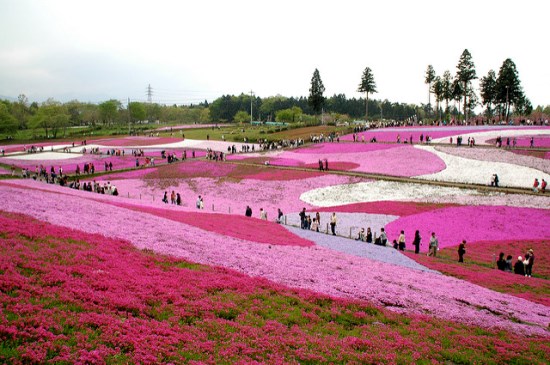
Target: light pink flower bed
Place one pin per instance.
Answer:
(227, 195)
(540, 141)
(69, 165)
(497, 155)
(237, 226)
(135, 141)
(390, 134)
(315, 268)
(474, 224)
(397, 160)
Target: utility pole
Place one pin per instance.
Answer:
(251, 93)
(149, 94)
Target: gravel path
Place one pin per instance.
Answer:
(361, 249)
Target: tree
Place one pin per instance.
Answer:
(137, 111)
(8, 123)
(21, 110)
(241, 116)
(488, 91)
(108, 111)
(437, 90)
(288, 115)
(447, 89)
(523, 106)
(51, 116)
(466, 73)
(457, 93)
(316, 99)
(367, 86)
(508, 86)
(430, 77)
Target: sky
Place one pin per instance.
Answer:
(191, 51)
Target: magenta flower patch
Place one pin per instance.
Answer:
(475, 224)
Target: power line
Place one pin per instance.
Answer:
(149, 94)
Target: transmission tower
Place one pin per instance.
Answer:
(149, 94)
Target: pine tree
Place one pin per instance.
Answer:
(430, 77)
(367, 85)
(466, 73)
(488, 91)
(316, 99)
(508, 86)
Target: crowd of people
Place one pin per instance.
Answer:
(522, 266)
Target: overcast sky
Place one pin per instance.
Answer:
(189, 51)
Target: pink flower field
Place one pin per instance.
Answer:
(72, 297)
(100, 279)
(435, 132)
(475, 224)
(313, 268)
(397, 160)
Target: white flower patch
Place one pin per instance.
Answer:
(187, 143)
(483, 137)
(373, 191)
(464, 170)
(44, 156)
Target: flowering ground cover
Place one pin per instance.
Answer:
(373, 191)
(534, 153)
(438, 134)
(398, 208)
(69, 164)
(251, 229)
(72, 297)
(500, 155)
(397, 160)
(475, 224)
(539, 140)
(21, 148)
(488, 137)
(480, 268)
(256, 186)
(486, 253)
(316, 268)
(466, 170)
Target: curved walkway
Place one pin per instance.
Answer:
(360, 249)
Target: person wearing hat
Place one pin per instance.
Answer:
(530, 259)
(519, 267)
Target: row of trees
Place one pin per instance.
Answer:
(498, 93)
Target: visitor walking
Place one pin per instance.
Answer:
(434, 245)
(416, 242)
(461, 251)
(333, 221)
